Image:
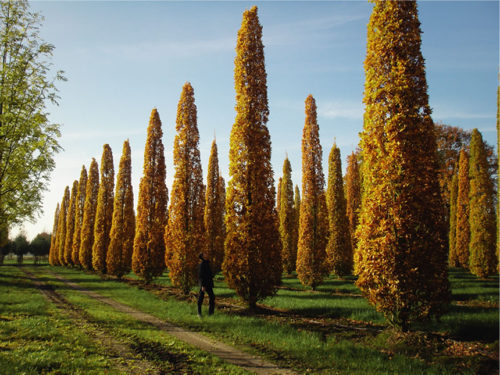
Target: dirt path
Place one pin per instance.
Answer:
(221, 350)
(122, 356)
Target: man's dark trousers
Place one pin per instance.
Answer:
(211, 300)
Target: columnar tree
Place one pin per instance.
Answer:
(61, 227)
(278, 196)
(353, 194)
(462, 231)
(53, 252)
(119, 255)
(313, 227)
(482, 258)
(185, 231)
(339, 248)
(80, 203)
(214, 212)
(498, 177)
(452, 237)
(252, 264)
(401, 234)
(89, 210)
(70, 225)
(104, 211)
(287, 220)
(149, 245)
(296, 206)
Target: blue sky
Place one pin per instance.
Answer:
(124, 58)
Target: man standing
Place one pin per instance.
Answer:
(205, 280)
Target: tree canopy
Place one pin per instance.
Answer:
(28, 141)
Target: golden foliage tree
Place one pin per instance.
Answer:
(313, 227)
(402, 236)
(482, 257)
(185, 231)
(104, 211)
(79, 206)
(296, 206)
(252, 264)
(70, 225)
(452, 256)
(498, 176)
(287, 220)
(278, 196)
(338, 248)
(61, 227)
(353, 194)
(119, 255)
(149, 245)
(462, 231)
(89, 210)
(53, 251)
(214, 212)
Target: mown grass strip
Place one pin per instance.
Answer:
(307, 351)
(168, 353)
(37, 338)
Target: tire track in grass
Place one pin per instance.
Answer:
(119, 351)
(228, 353)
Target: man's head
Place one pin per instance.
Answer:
(202, 256)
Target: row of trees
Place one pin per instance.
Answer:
(387, 220)
(472, 234)
(20, 246)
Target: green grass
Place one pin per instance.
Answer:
(304, 349)
(168, 353)
(37, 339)
(473, 316)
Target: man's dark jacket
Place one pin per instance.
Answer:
(205, 277)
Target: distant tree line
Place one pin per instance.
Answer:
(19, 247)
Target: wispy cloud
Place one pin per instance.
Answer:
(340, 109)
(453, 114)
(102, 134)
(308, 29)
(170, 48)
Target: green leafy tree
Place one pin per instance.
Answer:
(21, 247)
(482, 258)
(402, 235)
(119, 255)
(28, 141)
(312, 264)
(40, 246)
(287, 220)
(54, 247)
(339, 248)
(79, 209)
(89, 210)
(452, 257)
(214, 212)
(252, 264)
(148, 257)
(70, 225)
(104, 211)
(185, 231)
(5, 244)
(462, 231)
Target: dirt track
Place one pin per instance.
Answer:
(230, 354)
(124, 358)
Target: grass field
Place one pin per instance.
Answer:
(331, 330)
